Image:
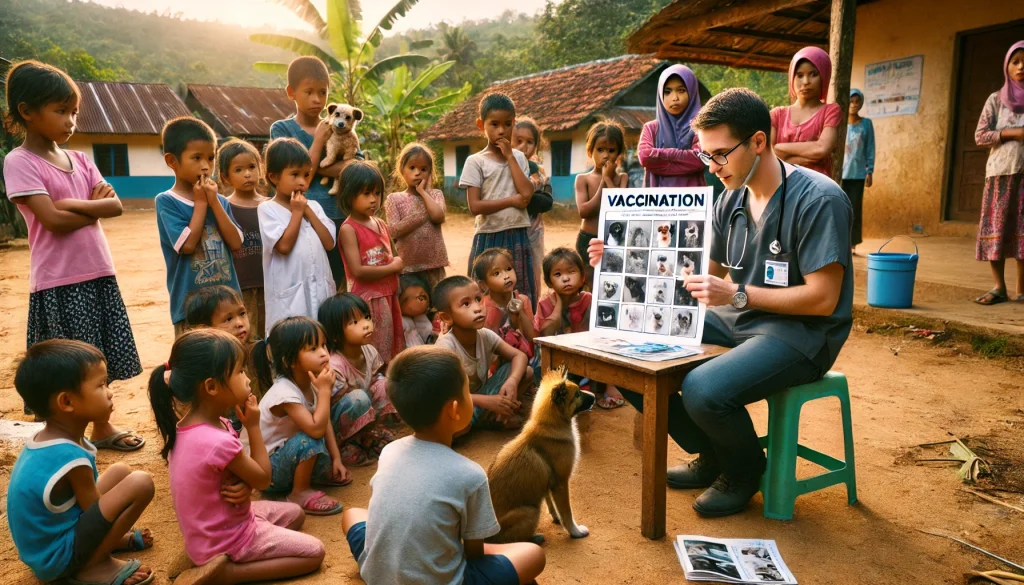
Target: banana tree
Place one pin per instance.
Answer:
(402, 106)
(349, 55)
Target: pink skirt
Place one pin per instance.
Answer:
(272, 539)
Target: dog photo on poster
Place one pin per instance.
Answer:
(654, 239)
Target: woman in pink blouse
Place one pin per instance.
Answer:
(805, 133)
(668, 147)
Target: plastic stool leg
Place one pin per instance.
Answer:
(851, 468)
(784, 425)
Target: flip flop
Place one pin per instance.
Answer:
(610, 402)
(126, 572)
(321, 498)
(995, 295)
(116, 442)
(136, 541)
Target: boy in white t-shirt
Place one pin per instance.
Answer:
(428, 500)
(496, 396)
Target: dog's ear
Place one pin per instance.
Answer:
(560, 393)
(331, 108)
(357, 114)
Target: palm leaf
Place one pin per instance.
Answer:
(398, 10)
(422, 82)
(343, 28)
(296, 46)
(268, 67)
(305, 10)
(394, 62)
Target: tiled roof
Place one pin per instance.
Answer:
(126, 108)
(242, 111)
(558, 100)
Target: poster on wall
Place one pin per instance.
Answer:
(654, 238)
(893, 88)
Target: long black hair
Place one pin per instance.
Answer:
(196, 356)
(275, 355)
(35, 84)
(336, 312)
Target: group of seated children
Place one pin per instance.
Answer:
(274, 353)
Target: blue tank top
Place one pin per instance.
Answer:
(44, 531)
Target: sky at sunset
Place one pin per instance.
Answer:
(265, 12)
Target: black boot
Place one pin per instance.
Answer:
(727, 496)
(697, 474)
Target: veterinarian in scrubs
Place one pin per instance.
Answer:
(782, 236)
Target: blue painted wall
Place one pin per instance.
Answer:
(140, 187)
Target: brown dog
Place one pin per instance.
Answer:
(343, 143)
(536, 465)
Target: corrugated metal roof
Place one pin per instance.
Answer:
(242, 111)
(126, 108)
(560, 99)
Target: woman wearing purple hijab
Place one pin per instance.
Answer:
(1001, 128)
(668, 146)
(805, 133)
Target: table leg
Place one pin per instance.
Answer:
(547, 357)
(655, 454)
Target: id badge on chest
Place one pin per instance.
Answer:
(776, 272)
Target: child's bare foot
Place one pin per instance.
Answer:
(112, 569)
(315, 502)
(211, 572)
(136, 539)
(612, 398)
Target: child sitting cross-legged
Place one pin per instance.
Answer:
(508, 312)
(414, 300)
(232, 540)
(360, 409)
(567, 309)
(66, 519)
(295, 414)
(460, 306)
(430, 510)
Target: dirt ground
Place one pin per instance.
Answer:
(904, 393)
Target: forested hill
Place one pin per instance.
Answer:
(96, 43)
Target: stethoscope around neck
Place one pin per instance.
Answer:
(776, 246)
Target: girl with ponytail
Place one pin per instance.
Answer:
(235, 540)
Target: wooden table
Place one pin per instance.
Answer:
(656, 381)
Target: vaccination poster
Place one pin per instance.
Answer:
(893, 88)
(654, 238)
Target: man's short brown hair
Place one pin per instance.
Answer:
(303, 68)
(742, 110)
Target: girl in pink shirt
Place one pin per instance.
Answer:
(232, 539)
(416, 214)
(73, 293)
(805, 133)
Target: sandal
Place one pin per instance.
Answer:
(610, 402)
(353, 455)
(992, 297)
(136, 540)
(117, 442)
(320, 504)
(127, 571)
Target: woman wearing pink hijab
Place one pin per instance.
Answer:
(805, 133)
(668, 146)
(1001, 128)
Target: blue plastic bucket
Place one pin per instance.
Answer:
(891, 278)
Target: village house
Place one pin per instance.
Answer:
(119, 127)
(240, 112)
(926, 68)
(564, 103)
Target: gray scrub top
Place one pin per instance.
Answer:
(815, 233)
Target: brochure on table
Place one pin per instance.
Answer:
(654, 238)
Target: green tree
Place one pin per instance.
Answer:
(351, 56)
(577, 31)
(402, 106)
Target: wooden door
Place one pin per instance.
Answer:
(979, 73)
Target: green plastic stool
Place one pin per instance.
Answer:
(779, 486)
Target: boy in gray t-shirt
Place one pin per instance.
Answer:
(431, 507)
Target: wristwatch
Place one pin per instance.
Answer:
(739, 299)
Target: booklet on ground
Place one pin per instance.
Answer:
(732, 560)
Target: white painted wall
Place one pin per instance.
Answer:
(449, 153)
(145, 157)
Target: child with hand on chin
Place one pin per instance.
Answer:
(459, 303)
(198, 232)
(296, 235)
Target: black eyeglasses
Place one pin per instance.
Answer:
(721, 159)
